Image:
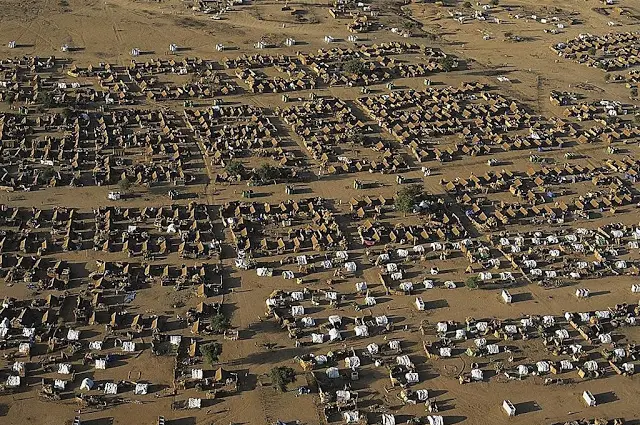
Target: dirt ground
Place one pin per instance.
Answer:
(106, 31)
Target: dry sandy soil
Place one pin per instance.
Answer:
(106, 31)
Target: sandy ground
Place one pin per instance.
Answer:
(106, 31)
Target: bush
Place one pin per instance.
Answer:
(494, 2)
(407, 198)
(47, 174)
(46, 99)
(592, 51)
(466, 5)
(234, 168)
(447, 63)
(472, 282)
(219, 323)
(124, 184)
(354, 66)
(281, 376)
(267, 173)
(211, 352)
(633, 92)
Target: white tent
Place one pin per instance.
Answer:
(264, 271)
(493, 349)
(197, 373)
(435, 420)
(333, 373)
(361, 330)
(406, 286)
(317, 338)
(297, 310)
(352, 362)
(388, 419)
(382, 320)
(86, 384)
(194, 403)
(351, 417)
(404, 360)
(141, 389)
(65, 369)
(412, 377)
(543, 367)
(129, 346)
(111, 388)
(477, 375)
(334, 335)
(13, 381)
(343, 396)
(373, 348)
(350, 266)
(445, 352)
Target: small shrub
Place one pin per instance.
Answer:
(211, 352)
(267, 173)
(407, 198)
(47, 174)
(219, 323)
(124, 184)
(471, 283)
(354, 66)
(281, 376)
(234, 168)
(447, 63)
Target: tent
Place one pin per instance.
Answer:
(86, 384)
(388, 419)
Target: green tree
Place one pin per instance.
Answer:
(267, 173)
(472, 282)
(211, 352)
(46, 99)
(408, 197)
(447, 63)
(219, 323)
(47, 174)
(124, 184)
(354, 66)
(466, 5)
(234, 168)
(281, 376)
